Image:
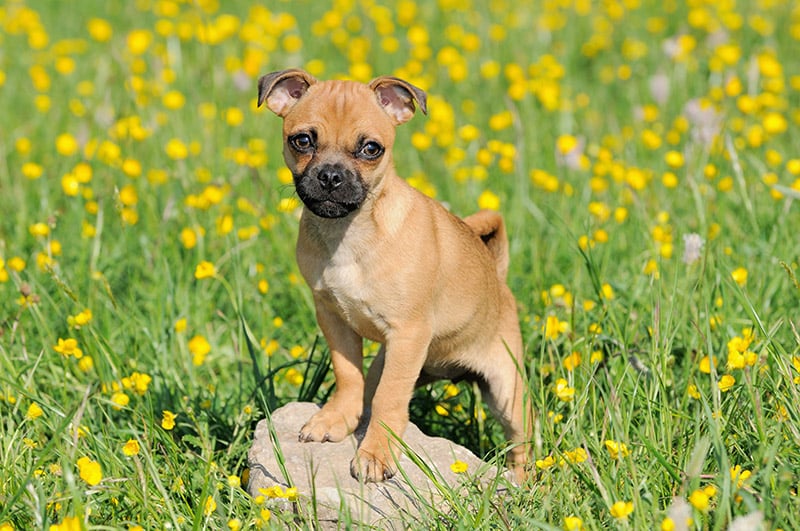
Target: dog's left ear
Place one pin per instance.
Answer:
(281, 90)
(397, 97)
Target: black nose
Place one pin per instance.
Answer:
(330, 178)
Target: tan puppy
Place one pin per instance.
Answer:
(387, 263)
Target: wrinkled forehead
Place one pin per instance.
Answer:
(338, 111)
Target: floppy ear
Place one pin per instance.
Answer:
(281, 90)
(397, 97)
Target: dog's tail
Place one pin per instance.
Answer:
(489, 226)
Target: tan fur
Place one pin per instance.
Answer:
(399, 270)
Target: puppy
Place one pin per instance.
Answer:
(387, 263)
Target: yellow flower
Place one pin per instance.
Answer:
(16, 264)
(545, 463)
(616, 449)
(739, 476)
(234, 116)
(199, 348)
(69, 523)
(32, 171)
(674, 159)
(421, 141)
(128, 195)
(563, 391)
(459, 467)
(131, 447)
(572, 361)
(234, 481)
(205, 269)
(188, 237)
(99, 29)
(488, 200)
(234, 524)
(81, 319)
(41, 230)
(606, 291)
(90, 471)
(66, 144)
(85, 364)
(288, 204)
(501, 121)
(132, 168)
(139, 382)
(565, 144)
(176, 149)
(168, 419)
(263, 286)
(578, 455)
(209, 506)
(726, 382)
(667, 524)
(735, 358)
(34, 411)
(275, 491)
(120, 400)
(775, 123)
(621, 510)
(699, 500)
(693, 392)
(705, 364)
(294, 377)
(68, 347)
(553, 327)
(739, 275)
(173, 100)
(573, 523)
(139, 41)
(265, 515)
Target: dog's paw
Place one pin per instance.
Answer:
(328, 426)
(372, 466)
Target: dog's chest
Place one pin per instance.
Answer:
(344, 285)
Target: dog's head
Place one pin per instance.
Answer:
(338, 135)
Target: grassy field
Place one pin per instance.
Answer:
(644, 154)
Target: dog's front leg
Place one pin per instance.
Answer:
(340, 415)
(405, 352)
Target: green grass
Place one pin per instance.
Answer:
(596, 248)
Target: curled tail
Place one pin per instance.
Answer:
(489, 226)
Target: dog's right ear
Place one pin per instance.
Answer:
(281, 90)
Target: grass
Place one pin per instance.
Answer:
(606, 133)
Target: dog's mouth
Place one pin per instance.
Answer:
(329, 209)
(331, 190)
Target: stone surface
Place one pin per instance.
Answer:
(321, 473)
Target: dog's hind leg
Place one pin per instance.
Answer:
(502, 382)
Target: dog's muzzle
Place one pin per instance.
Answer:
(330, 190)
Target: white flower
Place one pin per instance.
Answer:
(659, 88)
(692, 247)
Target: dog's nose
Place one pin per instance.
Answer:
(330, 178)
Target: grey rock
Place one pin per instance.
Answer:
(330, 497)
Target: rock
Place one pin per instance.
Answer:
(329, 495)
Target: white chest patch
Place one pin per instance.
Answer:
(344, 287)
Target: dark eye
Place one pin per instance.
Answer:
(370, 151)
(302, 142)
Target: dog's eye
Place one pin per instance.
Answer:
(371, 151)
(302, 142)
